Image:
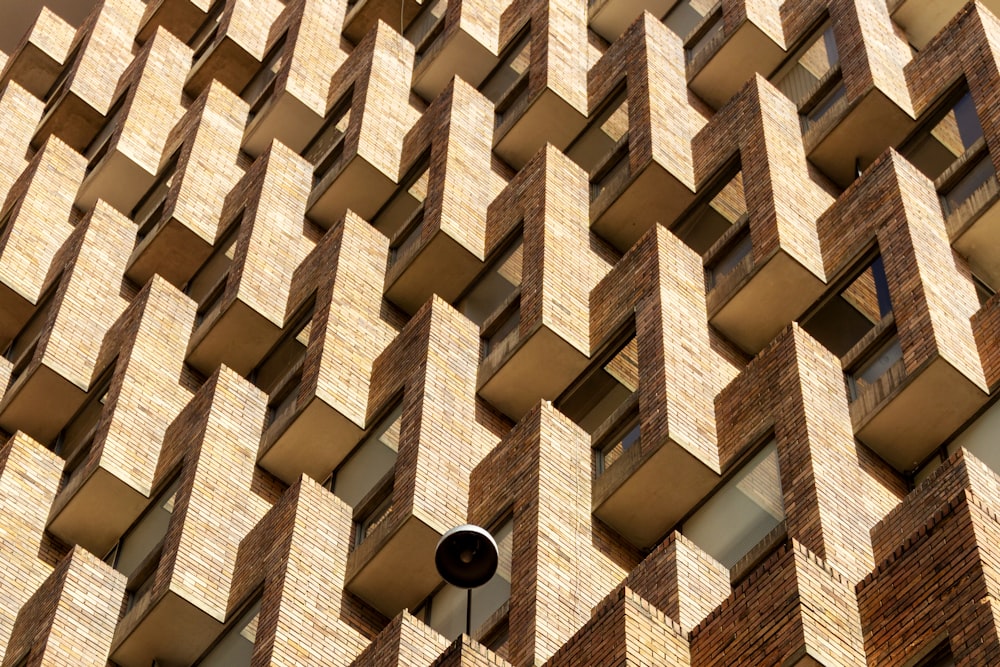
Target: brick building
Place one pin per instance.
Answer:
(691, 304)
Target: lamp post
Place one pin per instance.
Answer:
(467, 557)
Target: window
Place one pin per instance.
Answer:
(327, 147)
(604, 133)
(874, 367)
(427, 26)
(686, 15)
(513, 65)
(710, 219)
(235, 647)
(137, 553)
(939, 657)
(76, 439)
(845, 319)
(800, 79)
(493, 302)
(208, 284)
(364, 480)
(280, 373)
(99, 146)
(206, 32)
(605, 389)
(398, 218)
(950, 134)
(740, 513)
(260, 88)
(445, 610)
(21, 348)
(730, 257)
(148, 212)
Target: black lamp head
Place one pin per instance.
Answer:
(467, 556)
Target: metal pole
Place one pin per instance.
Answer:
(468, 611)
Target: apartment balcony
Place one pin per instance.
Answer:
(318, 409)
(35, 224)
(969, 197)
(179, 215)
(921, 20)
(362, 15)
(82, 94)
(54, 353)
(635, 450)
(179, 590)
(181, 18)
(232, 51)
(36, 63)
(81, 598)
(242, 289)
(841, 134)
(527, 354)
(425, 259)
(402, 500)
(803, 595)
(99, 499)
(610, 18)
(453, 38)
(720, 60)
(287, 103)
(750, 300)
(123, 157)
(357, 165)
(539, 86)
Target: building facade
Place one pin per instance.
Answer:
(691, 304)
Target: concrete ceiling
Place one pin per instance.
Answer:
(19, 15)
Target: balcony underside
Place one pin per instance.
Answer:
(313, 441)
(867, 129)
(751, 310)
(238, 336)
(171, 630)
(95, 510)
(547, 119)
(34, 70)
(40, 403)
(359, 186)
(743, 54)
(908, 419)
(653, 195)
(172, 249)
(285, 118)
(117, 180)
(642, 497)
(610, 18)
(397, 557)
(979, 237)
(544, 361)
(459, 55)
(442, 266)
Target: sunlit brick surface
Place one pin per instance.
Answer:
(690, 304)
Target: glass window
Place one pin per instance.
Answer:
(149, 210)
(741, 513)
(603, 134)
(710, 220)
(604, 389)
(513, 64)
(397, 217)
(686, 15)
(370, 461)
(799, 80)
(492, 290)
(936, 148)
(209, 282)
(842, 321)
(326, 148)
(235, 648)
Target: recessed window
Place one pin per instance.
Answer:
(742, 512)
(235, 647)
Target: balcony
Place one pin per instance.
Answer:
(751, 299)
(841, 134)
(610, 18)
(720, 63)
(527, 115)
(923, 19)
(343, 181)
(969, 196)
(447, 47)
(182, 18)
(362, 15)
(42, 57)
